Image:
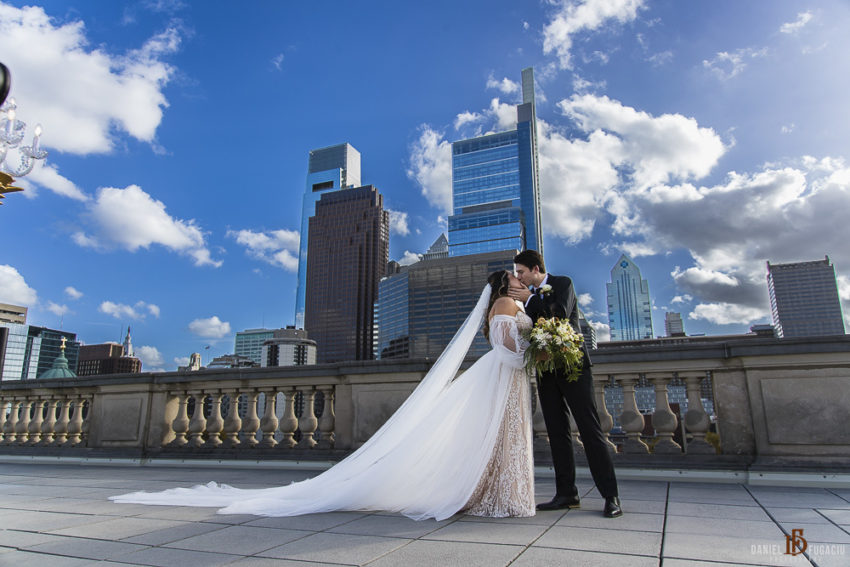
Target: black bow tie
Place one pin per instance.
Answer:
(537, 290)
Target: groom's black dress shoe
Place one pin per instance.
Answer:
(560, 503)
(612, 508)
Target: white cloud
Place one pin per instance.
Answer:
(57, 309)
(582, 85)
(276, 247)
(660, 58)
(681, 299)
(121, 93)
(181, 360)
(14, 289)
(123, 311)
(210, 328)
(726, 65)
(409, 258)
(131, 219)
(73, 293)
(787, 128)
(150, 356)
(47, 175)
(803, 18)
(577, 16)
(506, 86)
(603, 331)
(585, 300)
(465, 118)
(431, 168)
(398, 223)
(277, 61)
(727, 313)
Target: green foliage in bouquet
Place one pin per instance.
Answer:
(554, 345)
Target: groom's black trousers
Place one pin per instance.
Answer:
(557, 399)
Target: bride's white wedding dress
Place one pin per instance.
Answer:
(457, 444)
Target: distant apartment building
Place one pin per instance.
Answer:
(495, 187)
(12, 313)
(328, 169)
(289, 347)
(629, 304)
(420, 308)
(673, 325)
(106, 358)
(348, 255)
(231, 361)
(249, 343)
(804, 299)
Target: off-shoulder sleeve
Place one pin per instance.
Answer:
(507, 341)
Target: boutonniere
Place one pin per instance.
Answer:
(546, 290)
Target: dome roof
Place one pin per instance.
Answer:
(60, 366)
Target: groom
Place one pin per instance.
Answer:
(554, 296)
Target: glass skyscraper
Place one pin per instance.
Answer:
(249, 343)
(27, 351)
(804, 299)
(329, 169)
(496, 204)
(629, 305)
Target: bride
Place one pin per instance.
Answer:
(457, 444)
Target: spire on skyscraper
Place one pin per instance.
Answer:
(128, 344)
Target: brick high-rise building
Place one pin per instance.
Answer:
(348, 254)
(107, 358)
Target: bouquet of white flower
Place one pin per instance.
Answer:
(554, 345)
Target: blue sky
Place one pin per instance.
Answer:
(702, 138)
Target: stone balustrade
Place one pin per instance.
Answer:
(772, 397)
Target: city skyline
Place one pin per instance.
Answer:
(700, 139)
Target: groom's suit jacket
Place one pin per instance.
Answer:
(561, 302)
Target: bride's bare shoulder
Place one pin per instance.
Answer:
(504, 306)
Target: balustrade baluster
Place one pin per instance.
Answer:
(308, 422)
(180, 425)
(11, 424)
(232, 423)
(631, 419)
(60, 430)
(664, 421)
(23, 422)
(198, 423)
(215, 423)
(606, 421)
(86, 406)
(697, 421)
(251, 423)
(49, 424)
(578, 444)
(34, 427)
(288, 423)
(75, 425)
(328, 419)
(4, 403)
(269, 422)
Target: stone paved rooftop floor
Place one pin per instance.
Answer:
(58, 515)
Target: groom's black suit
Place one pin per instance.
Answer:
(558, 397)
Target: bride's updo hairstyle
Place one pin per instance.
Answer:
(499, 284)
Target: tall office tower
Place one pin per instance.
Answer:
(629, 306)
(107, 358)
(804, 299)
(439, 249)
(348, 254)
(12, 313)
(289, 347)
(587, 330)
(329, 169)
(422, 306)
(495, 189)
(673, 324)
(249, 343)
(27, 351)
